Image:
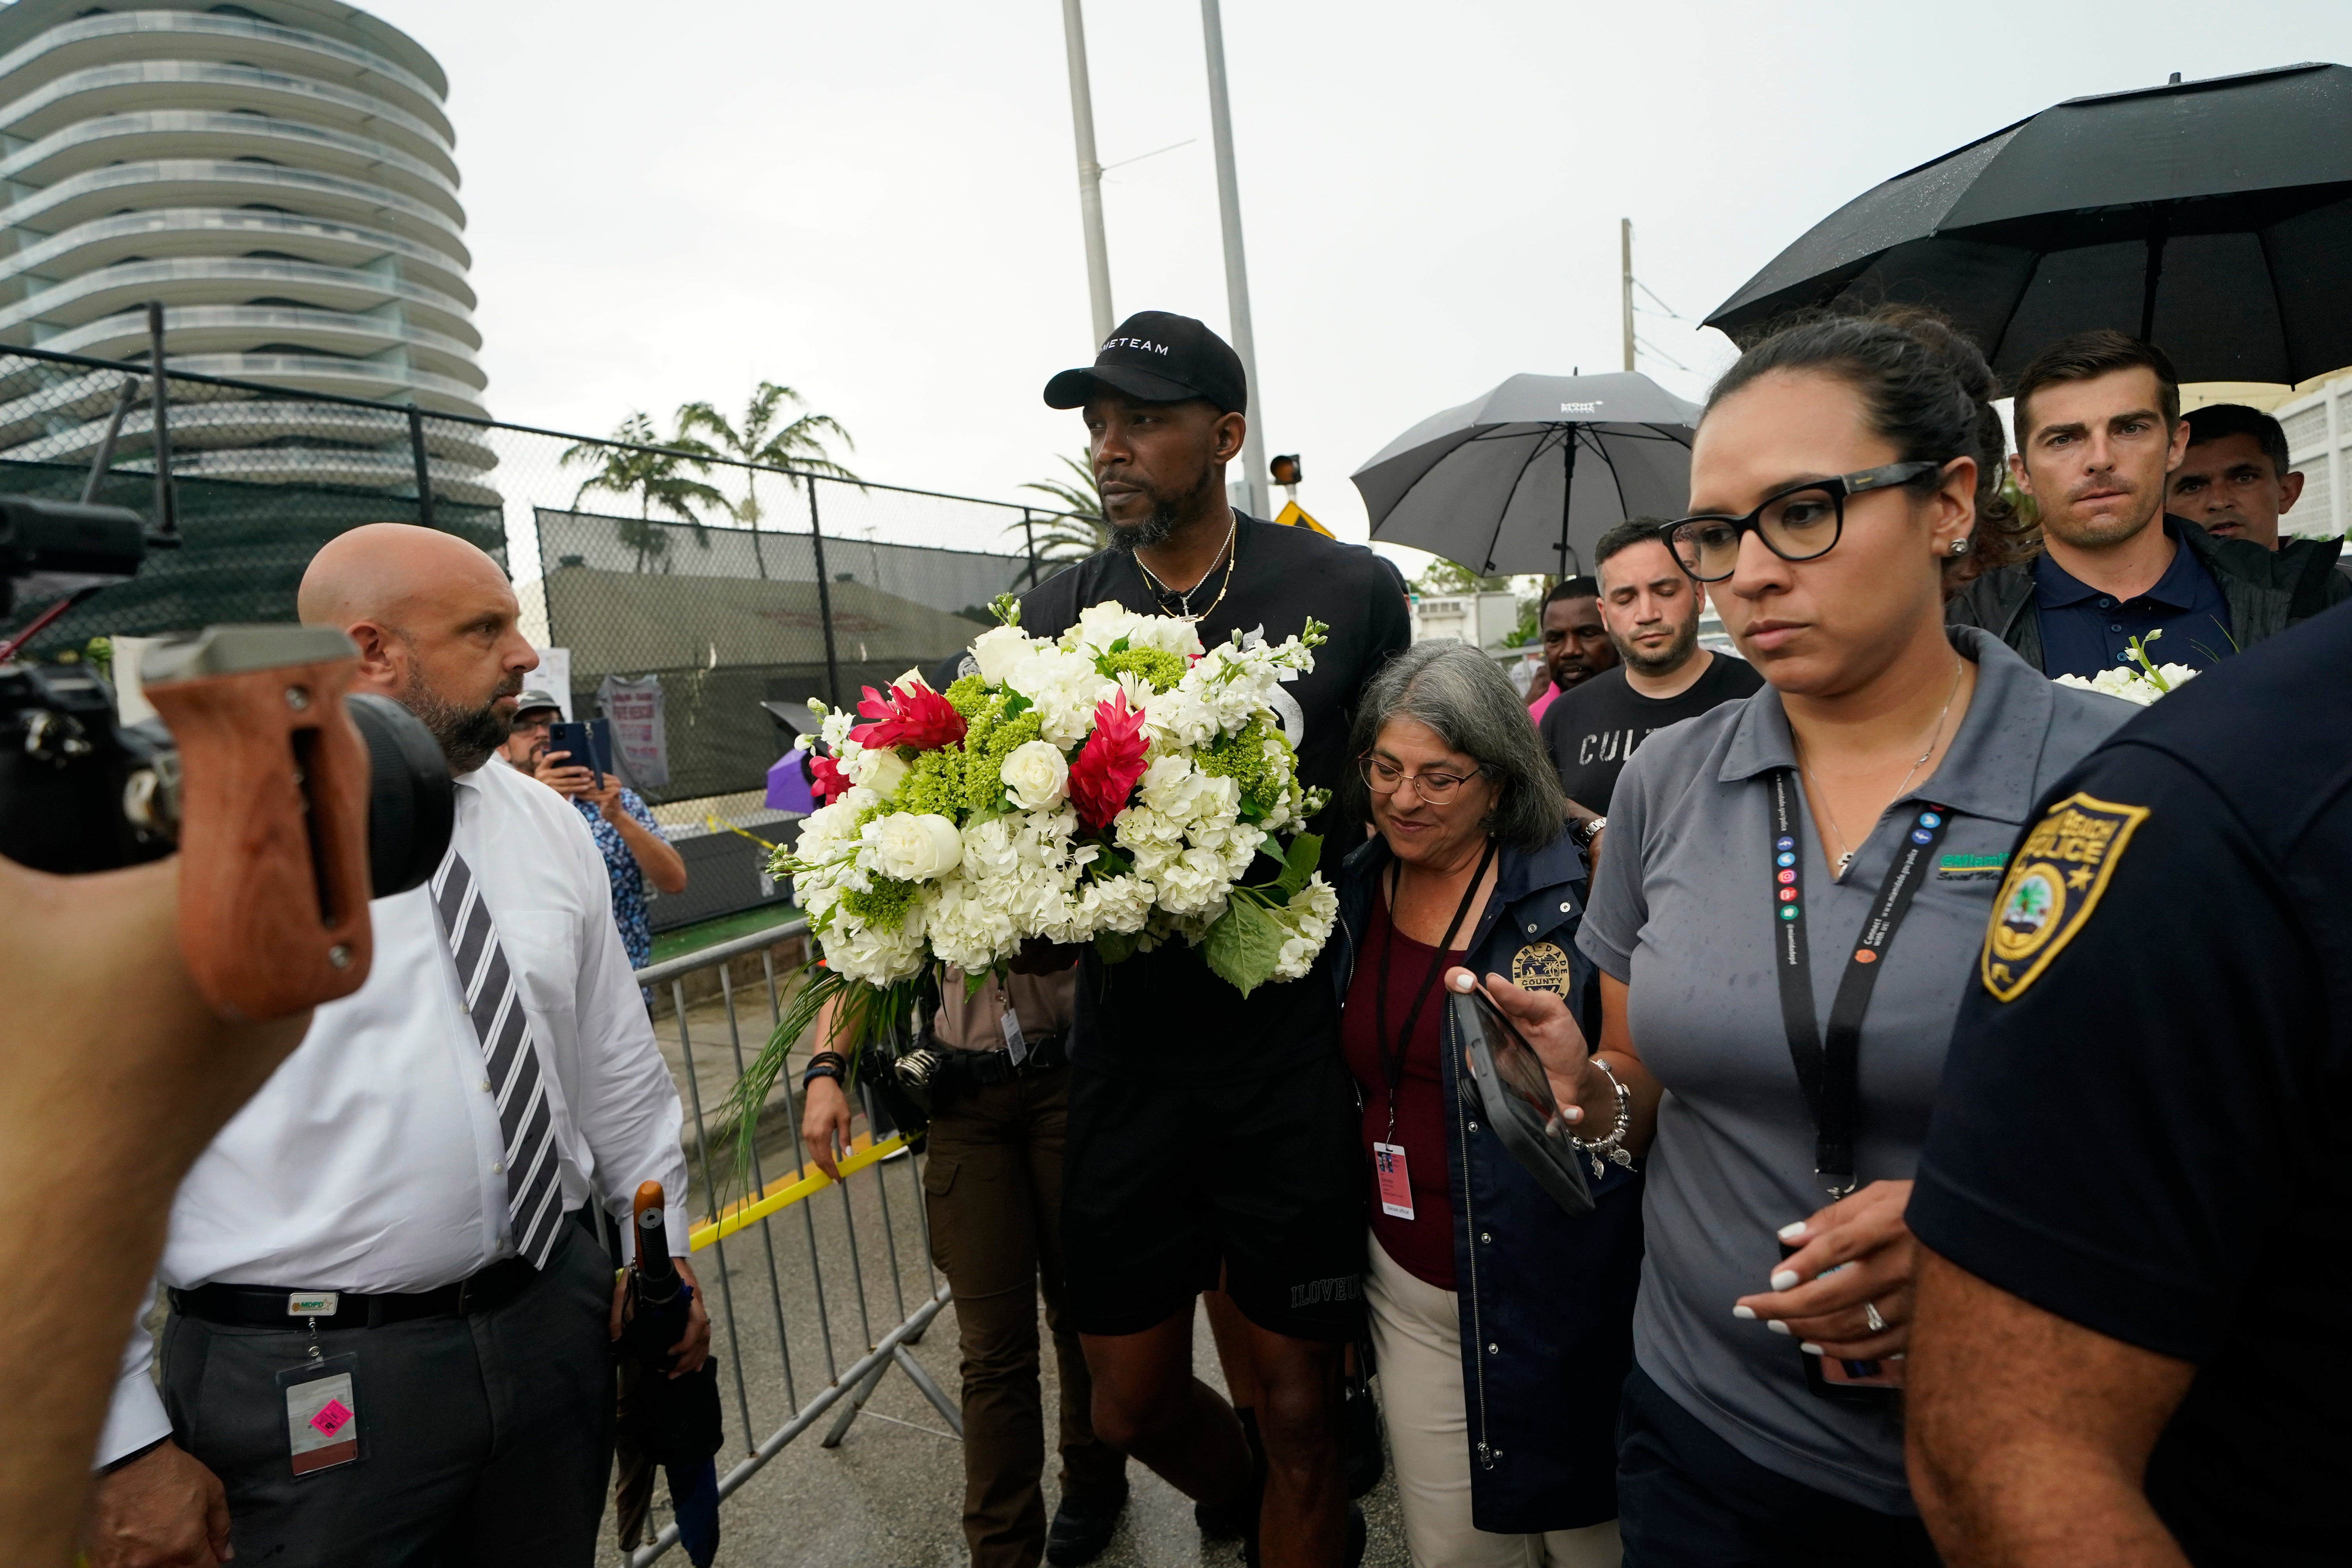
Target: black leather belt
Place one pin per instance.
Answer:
(268, 1307)
(985, 1069)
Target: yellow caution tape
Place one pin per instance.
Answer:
(787, 1190)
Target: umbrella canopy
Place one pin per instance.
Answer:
(1525, 477)
(2212, 218)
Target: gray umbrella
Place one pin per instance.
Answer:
(2213, 217)
(1525, 477)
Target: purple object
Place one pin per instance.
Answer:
(788, 785)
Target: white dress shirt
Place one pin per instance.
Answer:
(371, 1160)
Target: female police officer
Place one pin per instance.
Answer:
(1787, 909)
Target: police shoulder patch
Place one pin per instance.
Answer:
(2054, 882)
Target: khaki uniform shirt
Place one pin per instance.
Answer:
(1042, 1002)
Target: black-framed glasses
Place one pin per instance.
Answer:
(1796, 524)
(1384, 777)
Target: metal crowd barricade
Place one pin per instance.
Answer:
(743, 1264)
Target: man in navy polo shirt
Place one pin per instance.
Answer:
(2098, 429)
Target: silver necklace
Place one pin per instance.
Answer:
(1845, 857)
(1162, 591)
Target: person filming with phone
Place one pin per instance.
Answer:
(1832, 844)
(1501, 1327)
(627, 835)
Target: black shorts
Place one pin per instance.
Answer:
(1162, 1187)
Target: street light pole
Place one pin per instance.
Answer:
(1082, 113)
(1625, 255)
(1237, 306)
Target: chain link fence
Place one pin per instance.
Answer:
(725, 583)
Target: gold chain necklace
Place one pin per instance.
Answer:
(1820, 796)
(1160, 591)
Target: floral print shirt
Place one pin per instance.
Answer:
(628, 882)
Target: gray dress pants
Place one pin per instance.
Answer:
(486, 1440)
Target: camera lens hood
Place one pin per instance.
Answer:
(412, 800)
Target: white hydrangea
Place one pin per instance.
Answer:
(2132, 685)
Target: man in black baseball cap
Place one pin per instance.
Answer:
(1156, 357)
(1212, 1136)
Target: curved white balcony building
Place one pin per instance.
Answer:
(282, 175)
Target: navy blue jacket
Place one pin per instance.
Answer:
(1546, 1301)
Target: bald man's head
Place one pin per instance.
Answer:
(436, 622)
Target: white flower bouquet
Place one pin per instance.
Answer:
(2144, 685)
(1111, 785)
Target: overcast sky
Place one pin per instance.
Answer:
(878, 206)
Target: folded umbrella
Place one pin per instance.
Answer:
(2213, 217)
(673, 1422)
(1527, 476)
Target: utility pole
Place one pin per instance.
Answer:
(1625, 255)
(1229, 208)
(1082, 113)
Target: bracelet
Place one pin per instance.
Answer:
(826, 1064)
(1613, 1145)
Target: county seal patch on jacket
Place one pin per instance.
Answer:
(2053, 883)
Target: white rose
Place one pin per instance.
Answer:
(1165, 634)
(1036, 776)
(879, 769)
(1099, 626)
(996, 651)
(912, 847)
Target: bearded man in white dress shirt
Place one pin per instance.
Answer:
(405, 1191)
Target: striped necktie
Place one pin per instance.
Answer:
(534, 1193)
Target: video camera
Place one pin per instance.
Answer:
(290, 801)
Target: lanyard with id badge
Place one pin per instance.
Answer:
(1829, 1069)
(321, 1393)
(1388, 1156)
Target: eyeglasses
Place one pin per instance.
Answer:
(1384, 777)
(524, 726)
(1799, 523)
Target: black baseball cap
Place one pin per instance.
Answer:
(1159, 358)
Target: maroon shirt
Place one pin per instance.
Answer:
(1424, 1244)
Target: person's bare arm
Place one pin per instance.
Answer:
(825, 1109)
(119, 1075)
(2028, 1435)
(656, 857)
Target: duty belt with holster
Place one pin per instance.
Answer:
(938, 1075)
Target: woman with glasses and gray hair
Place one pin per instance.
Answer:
(1501, 1328)
(1795, 895)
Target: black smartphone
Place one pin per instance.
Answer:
(1516, 1099)
(588, 744)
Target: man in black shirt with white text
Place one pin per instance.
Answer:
(1212, 1135)
(1651, 607)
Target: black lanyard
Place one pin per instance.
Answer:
(1830, 1076)
(1392, 1067)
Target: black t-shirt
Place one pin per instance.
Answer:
(1161, 1017)
(2146, 1137)
(1593, 730)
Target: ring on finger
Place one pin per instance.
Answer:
(1870, 1315)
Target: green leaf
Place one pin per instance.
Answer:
(1118, 946)
(1113, 862)
(1016, 704)
(1305, 853)
(1244, 945)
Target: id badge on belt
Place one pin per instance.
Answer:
(322, 1403)
(1396, 1180)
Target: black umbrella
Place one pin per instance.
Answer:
(1525, 477)
(2212, 218)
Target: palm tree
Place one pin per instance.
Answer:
(797, 447)
(633, 462)
(1079, 529)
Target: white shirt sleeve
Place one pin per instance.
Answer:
(628, 1113)
(135, 1418)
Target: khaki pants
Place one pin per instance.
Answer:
(994, 1191)
(1417, 1344)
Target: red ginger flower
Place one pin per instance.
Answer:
(826, 781)
(918, 717)
(1103, 774)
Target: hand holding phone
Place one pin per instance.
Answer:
(577, 744)
(1515, 1098)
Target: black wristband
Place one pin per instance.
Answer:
(133, 1456)
(818, 1070)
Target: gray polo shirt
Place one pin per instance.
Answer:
(1683, 911)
